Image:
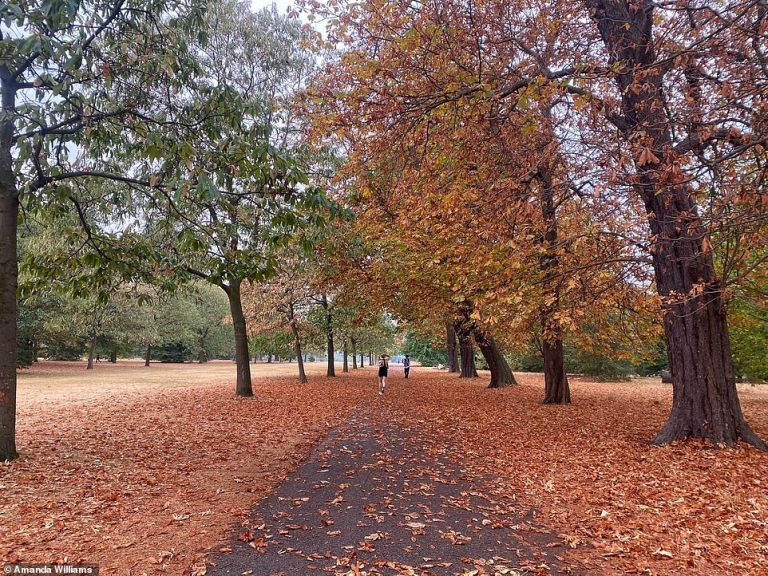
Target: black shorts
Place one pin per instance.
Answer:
(382, 372)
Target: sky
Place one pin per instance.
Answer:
(282, 5)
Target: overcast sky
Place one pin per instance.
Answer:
(282, 5)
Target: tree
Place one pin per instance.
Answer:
(705, 402)
(74, 77)
(283, 302)
(422, 350)
(248, 192)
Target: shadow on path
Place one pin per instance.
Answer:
(369, 501)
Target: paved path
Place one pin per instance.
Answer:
(369, 501)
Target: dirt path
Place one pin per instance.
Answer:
(371, 500)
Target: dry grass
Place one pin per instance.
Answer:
(52, 381)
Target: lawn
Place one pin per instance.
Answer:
(145, 470)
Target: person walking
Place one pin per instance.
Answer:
(383, 372)
(407, 365)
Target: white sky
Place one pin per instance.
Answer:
(282, 5)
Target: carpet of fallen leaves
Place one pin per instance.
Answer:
(620, 505)
(148, 480)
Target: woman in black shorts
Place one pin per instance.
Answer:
(383, 371)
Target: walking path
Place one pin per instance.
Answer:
(370, 501)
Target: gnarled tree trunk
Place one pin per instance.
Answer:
(704, 399)
(464, 336)
(242, 356)
(501, 373)
(556, 388)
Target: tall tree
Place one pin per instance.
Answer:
(705, 401)
(74, 76)
(250, 192)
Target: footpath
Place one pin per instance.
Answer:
(370, 501)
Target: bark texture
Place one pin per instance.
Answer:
(501, 373)
(464, 336)
(242, 357)
(556, 388)
(450, 346)
(704, 402)
(9, 210)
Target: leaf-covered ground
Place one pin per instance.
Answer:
(149, 480)
(145, 479)
(624, 506)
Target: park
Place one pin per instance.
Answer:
(159, 470)
(384, 287)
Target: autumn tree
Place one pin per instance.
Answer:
(283, 302)
(683, 74)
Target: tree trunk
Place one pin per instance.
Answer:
(464, 336)
(148, 356)
(346, 361)
(501, 373)
(705, 403)
(370, 358)
(453, 364)
(362, 360)
(297, 344)
(9, 272)
(91, 353)
(556, 387)
(269, 358)
(331, 372)
(354, 354)
(242, 357)
(113, 356)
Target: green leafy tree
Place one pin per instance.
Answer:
(77, 84)
(246, 192)
(422, 350)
